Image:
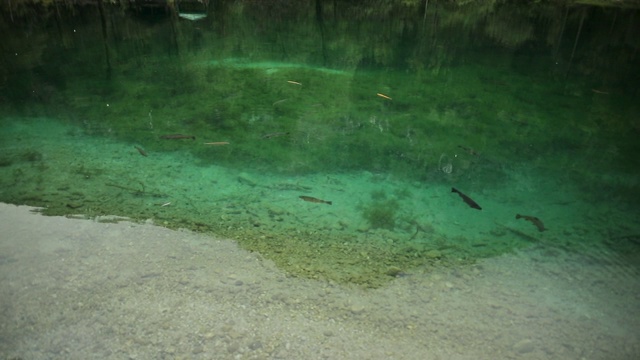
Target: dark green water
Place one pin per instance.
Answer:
(379, 108)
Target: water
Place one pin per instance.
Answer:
(528, 110)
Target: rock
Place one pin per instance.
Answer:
(433, 254)
(244, 179)
(393, 271)
(233, 347)
(498, 232)
(276, 211)
(524, 346)
(357, 309)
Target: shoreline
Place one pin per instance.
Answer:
(79, 288)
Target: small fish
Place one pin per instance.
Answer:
(177, 137)
(272, 135)
(534, 220)
(314, 200)
(140, 150)
(279, 102)
(384, 96)
(469, 201)
(294, 82)
(469, 150)
(217, 143)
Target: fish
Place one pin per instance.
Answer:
(534, 220)
(140, 150)
(272, 135)
(279, 102)
(294, 82)
(217, 143)
(314, 200)
(384, 96)
(177, 137)
(469, 150)
(469, 201)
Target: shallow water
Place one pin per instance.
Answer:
(383, 130)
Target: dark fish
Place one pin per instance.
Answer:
(177, 136)
(467, 199)
(314, 200)
(534, 220)
(469, 150)
(140, 150)
(272, 135)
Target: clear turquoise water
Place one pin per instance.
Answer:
(381, 115)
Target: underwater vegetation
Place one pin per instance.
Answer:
(381, 213)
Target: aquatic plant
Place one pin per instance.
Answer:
(382, 214)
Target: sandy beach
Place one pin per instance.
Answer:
(81, 289)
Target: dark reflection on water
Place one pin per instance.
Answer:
(539, 38)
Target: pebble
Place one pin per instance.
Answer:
(244, 179)
(433, 254)
(523, 346)
(233, 347)
(393, 271)
(276, 211)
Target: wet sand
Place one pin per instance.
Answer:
(83, 289)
